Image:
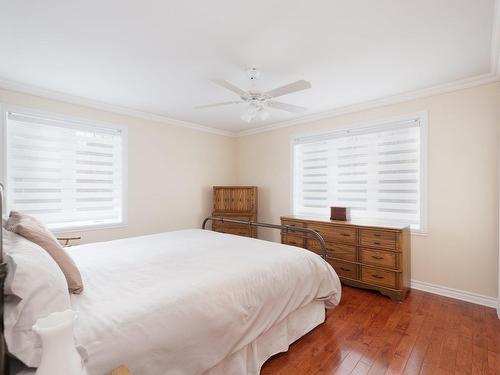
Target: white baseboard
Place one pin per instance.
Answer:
(455, 293)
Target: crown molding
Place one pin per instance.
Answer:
(73, 99)
(394, 99)
(403, 97)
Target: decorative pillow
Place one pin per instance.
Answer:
(35, 287)
(33, 230)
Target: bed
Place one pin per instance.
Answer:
(196, 302)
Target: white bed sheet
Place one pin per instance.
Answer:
(181, 302)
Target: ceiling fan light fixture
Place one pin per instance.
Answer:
(260, 101)
(247, 117)
(263, 114)
(252, 109)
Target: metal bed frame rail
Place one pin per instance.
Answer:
(285, 228)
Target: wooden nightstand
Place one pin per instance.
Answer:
(67, 240)
(122, 370)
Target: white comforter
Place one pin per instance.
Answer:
(180, 302)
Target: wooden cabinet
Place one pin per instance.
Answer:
(365, 255)
(237, 203)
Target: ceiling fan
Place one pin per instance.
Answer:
(258, 101)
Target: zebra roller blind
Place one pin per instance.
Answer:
(67, 174)
(376, 171)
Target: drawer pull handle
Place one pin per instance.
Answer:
(344, 234)
(377, 257)
(345, 269)
(376, 243)
(378, 277)
(376, 235)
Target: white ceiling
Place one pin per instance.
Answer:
(159, 56)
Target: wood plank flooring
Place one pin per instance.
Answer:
(369, 334)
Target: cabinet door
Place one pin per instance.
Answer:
(218, 199)
(239, 200)
(250, 199)
(226, 196)
(235, 199)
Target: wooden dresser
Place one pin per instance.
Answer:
(364, 255)
(235, 202)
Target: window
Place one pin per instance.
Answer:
(69, 174)
(378, 171)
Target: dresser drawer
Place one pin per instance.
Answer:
(334, 233)
(341, 251)
(378, 277)
(217, 226)
(229, 226)
(292, 223)
(239, 231)
(292, 239)
(375, 238)
(344, 235)
(233, 228)
(344, 269)
(242, 218)
(230, 217)
(379, 258)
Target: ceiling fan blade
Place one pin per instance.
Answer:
(217, 104)
(288, 89)
(229, 86)
(286, 107)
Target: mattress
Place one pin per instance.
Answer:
(183, 302)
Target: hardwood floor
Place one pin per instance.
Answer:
(369, 334)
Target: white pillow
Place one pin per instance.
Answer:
(34, 288)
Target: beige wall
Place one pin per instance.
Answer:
(461, 248)
(171, 169)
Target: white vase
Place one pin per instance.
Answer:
(59, 354)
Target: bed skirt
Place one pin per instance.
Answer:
(250, 359)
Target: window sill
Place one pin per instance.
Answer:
(88, 228)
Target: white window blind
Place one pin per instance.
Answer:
(67, 174)
(376, 171)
